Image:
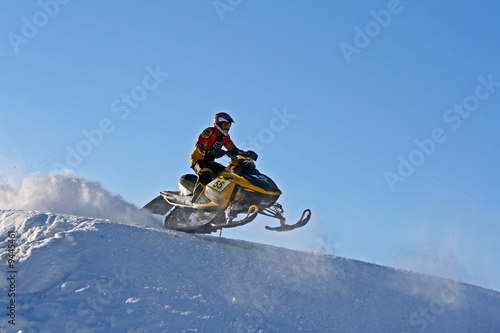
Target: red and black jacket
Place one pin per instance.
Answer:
(210, 140)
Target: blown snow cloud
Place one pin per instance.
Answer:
(68, 194)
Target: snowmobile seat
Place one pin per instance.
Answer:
(188, 182)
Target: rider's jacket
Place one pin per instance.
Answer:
(210, 140)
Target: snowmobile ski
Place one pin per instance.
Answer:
(287, 227)
(252, 213)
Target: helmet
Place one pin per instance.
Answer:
(222, 122)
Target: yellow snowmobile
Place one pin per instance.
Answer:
(239, 189)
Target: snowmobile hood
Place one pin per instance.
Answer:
(242, 170)
(253, 181)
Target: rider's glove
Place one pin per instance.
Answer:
(232, 154)
(253, 155)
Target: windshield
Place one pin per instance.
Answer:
(256, 178)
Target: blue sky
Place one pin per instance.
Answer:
(380, 116)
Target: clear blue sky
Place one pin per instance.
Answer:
(380, 116)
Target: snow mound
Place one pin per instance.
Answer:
(80, 274)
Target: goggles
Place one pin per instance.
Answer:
(225, 125)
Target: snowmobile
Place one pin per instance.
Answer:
(239, 189)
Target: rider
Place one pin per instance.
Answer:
(208, 148)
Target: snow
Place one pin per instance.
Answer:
(89, 269)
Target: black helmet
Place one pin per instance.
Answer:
(222, 122)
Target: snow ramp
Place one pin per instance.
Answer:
(78, 274)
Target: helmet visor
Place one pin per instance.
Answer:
(225, 125)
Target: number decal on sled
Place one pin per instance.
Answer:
(219, 184)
